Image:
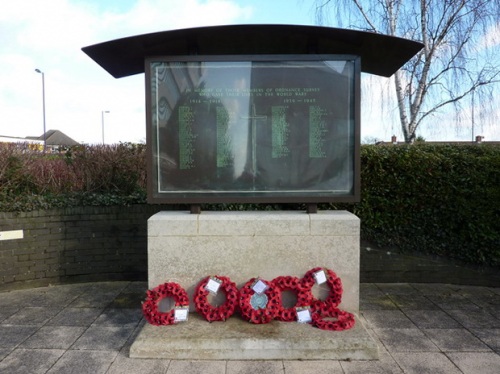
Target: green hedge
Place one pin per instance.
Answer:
(84, 175)
(437, 199)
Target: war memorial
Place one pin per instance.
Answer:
(253, 114)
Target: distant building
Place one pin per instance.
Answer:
(15, 139)
(479, 140)
(31, 144)
(55, 140)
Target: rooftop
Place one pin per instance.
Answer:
(380, 54)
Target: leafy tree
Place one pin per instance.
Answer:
(456, 61)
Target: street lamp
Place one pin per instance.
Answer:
(102, 122)
(43, 103)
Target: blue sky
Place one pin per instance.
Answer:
(48, 35)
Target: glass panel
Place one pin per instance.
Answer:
(261, 128)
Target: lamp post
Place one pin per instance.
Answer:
(102, 122)
(43, 104)
(472, 114)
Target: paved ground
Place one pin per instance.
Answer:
(88, 328)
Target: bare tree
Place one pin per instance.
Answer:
(455, 62)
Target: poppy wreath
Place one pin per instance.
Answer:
(344, 320)
(259, 315)
(154, 296)
(334, 283)
(222, 312)
(304, 297)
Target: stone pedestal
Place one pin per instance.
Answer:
(185, 248)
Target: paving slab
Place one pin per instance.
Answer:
(453, 301)
(405, 340)
(450, 340)
(475, 319)
(103, 338)
(54, 337)
(94, 300)
(31, 361)
(385, 365)
(254, 367)
(397, 288)
(490, 303)
(32, 316)
(6, 312)
(197, 367)
(426, 363)
(83, 362)
(119, 317)
(428, 319)
(476, 362)
(388, 319)
(11, 336)
(129, 299)
(316, 367)
(433, 288)
(21, 298)
(377, 302)
(471, 291)
(236, 339)
(413, 302)
(76, 317)
(490, 337)
(60, 296)
(4, 352)
(123, 364)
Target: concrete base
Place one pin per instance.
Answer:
(185, 248)
(236, 339)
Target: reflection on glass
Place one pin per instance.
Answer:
(253, 128)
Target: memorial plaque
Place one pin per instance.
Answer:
(259, 129)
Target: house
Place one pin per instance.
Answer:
(55, 140)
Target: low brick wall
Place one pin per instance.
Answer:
(79, 244)
(89, 244)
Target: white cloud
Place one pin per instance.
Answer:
(49, 35)
(491, 38)
(181, 14)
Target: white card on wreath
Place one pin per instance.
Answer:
(259, 286)
(213, 285)
(181, 314)
(303, 315)
(320, 276)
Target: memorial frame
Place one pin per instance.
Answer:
(186, 197)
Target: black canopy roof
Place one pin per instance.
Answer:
(380, 54)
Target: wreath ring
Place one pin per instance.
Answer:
(222, 312)
(304, 297)
(259, 315)
(345, 320)
(154, 296)
(334, 283)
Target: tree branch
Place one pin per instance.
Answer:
(365, 16)
(455, 99)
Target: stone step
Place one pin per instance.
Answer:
(236, 339)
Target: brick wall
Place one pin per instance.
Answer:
(75, 245)
(90, 244)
